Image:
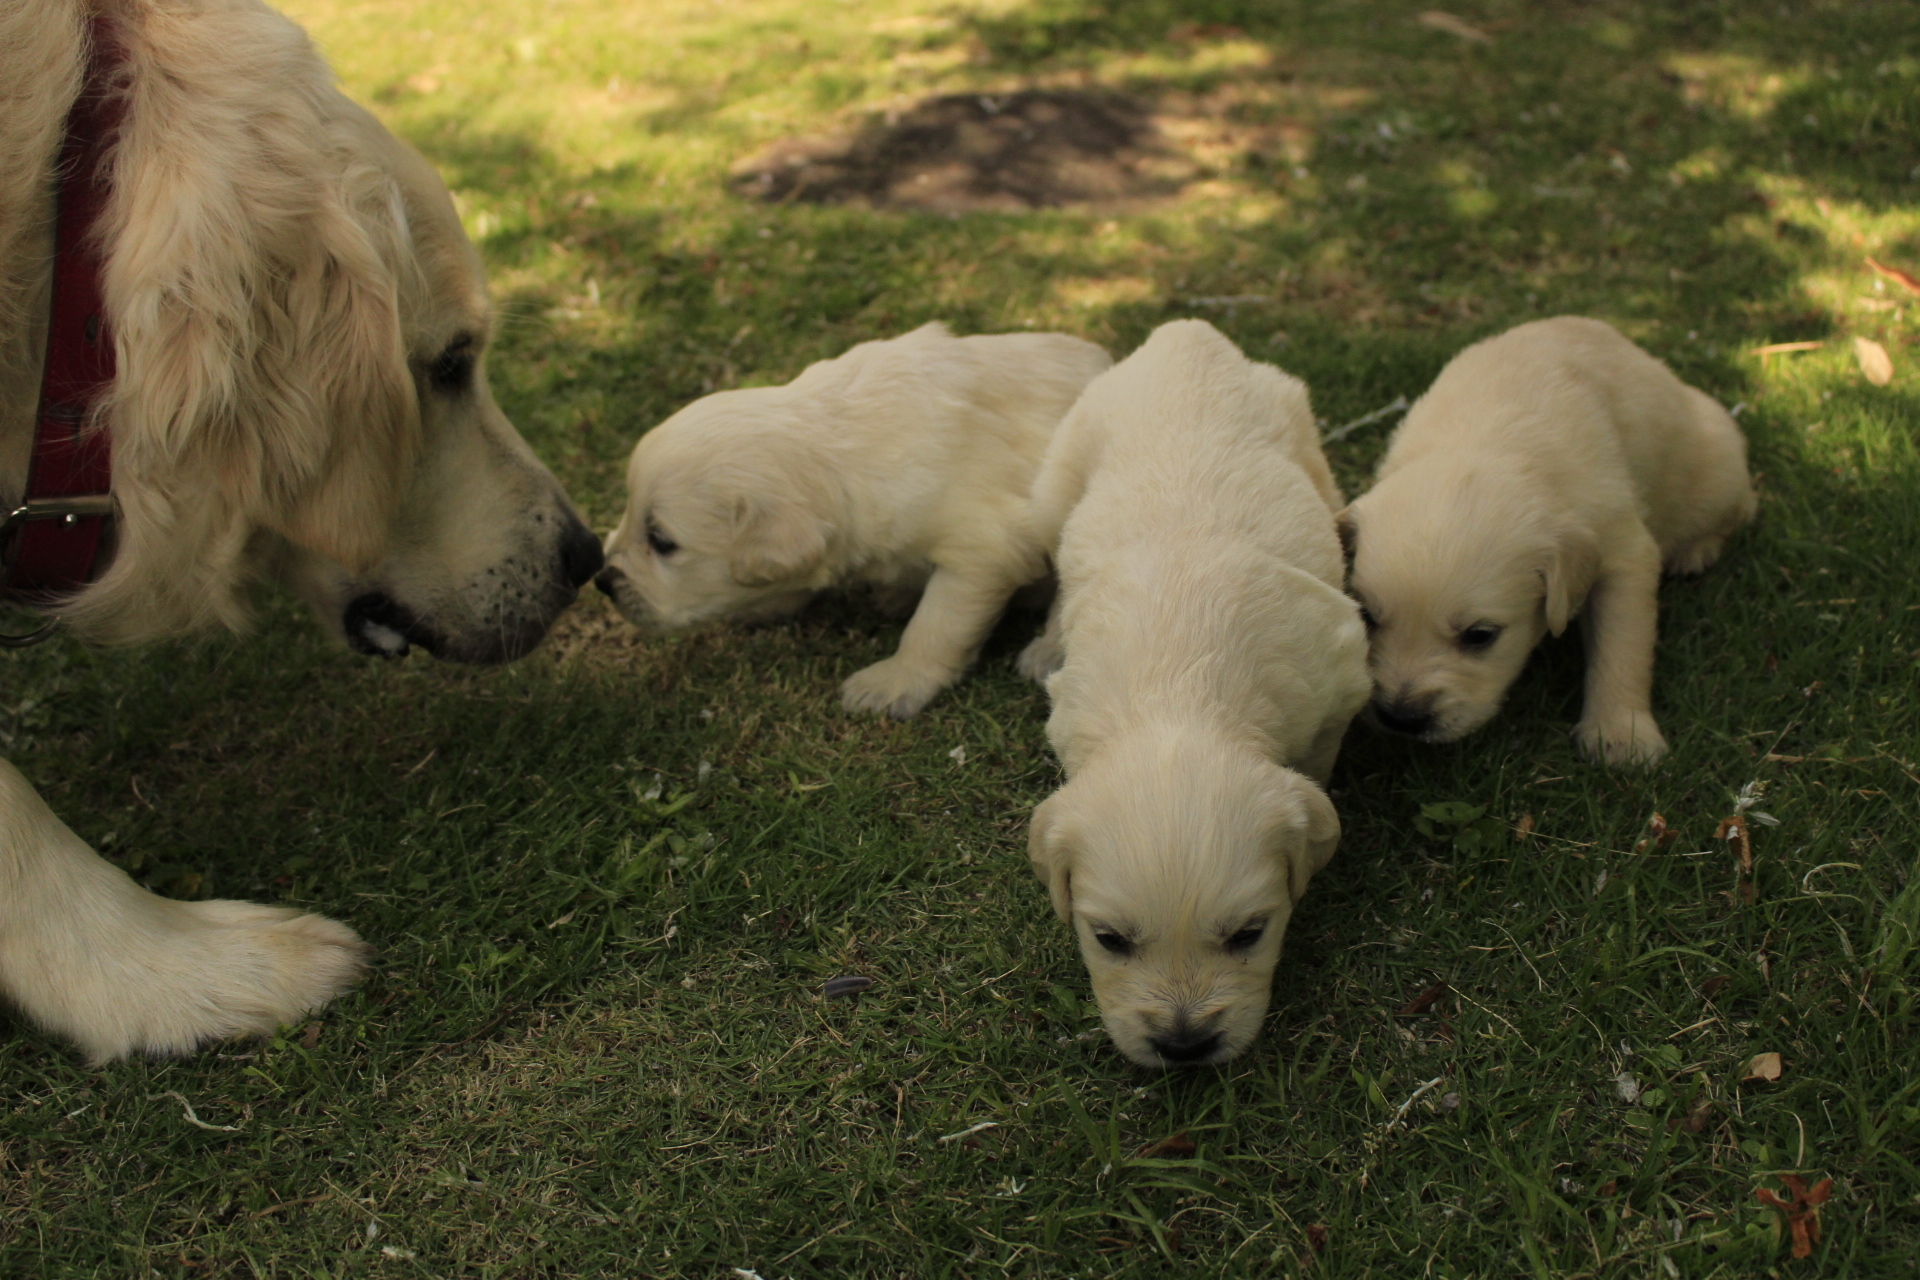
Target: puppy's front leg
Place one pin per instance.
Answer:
(1047, 652)
(954, 617)
(1621, 623)
(91, 956)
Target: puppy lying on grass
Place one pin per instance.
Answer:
(903, 463)
(1552, 469)
(1210, 666)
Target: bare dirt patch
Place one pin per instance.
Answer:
(1037, 148)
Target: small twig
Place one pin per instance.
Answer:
(1386, 411)
(984, 1124)
(1406, 1106)
(191, 1118)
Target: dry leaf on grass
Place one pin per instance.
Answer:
(1875, 363)
(1762, 1066)
(1896, 275)
(1439, 20)
(312, 1036)
(1177, 1147)
(1739, 840)
(1802, 1213)
(1317, 1237)
(1426, 999)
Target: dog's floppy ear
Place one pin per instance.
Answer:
(1572, 563)
(776, 539)
(1052, 861)
(1309, 831)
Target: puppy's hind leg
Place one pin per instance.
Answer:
(954, 617)
(1622, 622)
(91, 956)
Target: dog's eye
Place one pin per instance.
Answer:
(1247, 938)
(452, 370)
(1114, 943)
(662, 545)
(1366, 616)
(1478, 639)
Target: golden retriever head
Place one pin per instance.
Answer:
(1177, 863)
(1458, 582)
(729, 515)
(301, 330)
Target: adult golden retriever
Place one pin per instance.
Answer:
(300, 329)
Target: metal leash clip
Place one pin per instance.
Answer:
(68, 510)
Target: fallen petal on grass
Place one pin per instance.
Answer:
(1762, 1066)
(1875, 364)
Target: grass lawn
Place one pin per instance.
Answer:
(608, 883)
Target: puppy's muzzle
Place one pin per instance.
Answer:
(1185, 1046)
(580, 554)
(1413, 717)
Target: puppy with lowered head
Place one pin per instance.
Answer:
(903, 463)
(1549, 472)
(1208, 666)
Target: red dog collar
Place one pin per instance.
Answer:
(50, 543)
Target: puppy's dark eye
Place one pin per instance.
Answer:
(1248, 938)
(662, 545)
(1478, 639)
(1114, 942)
(1366, 616)
(451, 372)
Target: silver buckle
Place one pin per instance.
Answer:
(68, 510)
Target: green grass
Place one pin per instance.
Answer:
(607, 884)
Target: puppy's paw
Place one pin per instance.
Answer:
(1697, 558)
(1629, 739)
(212, 971)
(1041, 658)
(895, 687)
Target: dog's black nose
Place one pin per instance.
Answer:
(1403, 717)
(580, 556)
(1182, 1045)
(608, 580)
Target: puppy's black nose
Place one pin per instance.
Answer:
(608, 580)
(1403, 717)
(580, 556)
(1184, 1045)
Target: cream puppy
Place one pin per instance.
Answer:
(1549, 472)
(902, 463)
(1210, 666)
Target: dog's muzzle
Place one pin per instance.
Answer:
(1185, 1046)
(381, 627)
(1403, 715)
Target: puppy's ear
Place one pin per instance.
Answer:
(1309, 831)
(1051, 860)
(775, 539)
(1572, 563)
(1348, 530)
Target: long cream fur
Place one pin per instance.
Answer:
(299, 327)
(1208, 667)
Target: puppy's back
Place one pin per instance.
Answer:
(1188, 436)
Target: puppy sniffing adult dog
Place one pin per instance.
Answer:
(1550, 472)
(1208, 665)
(903, 463)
